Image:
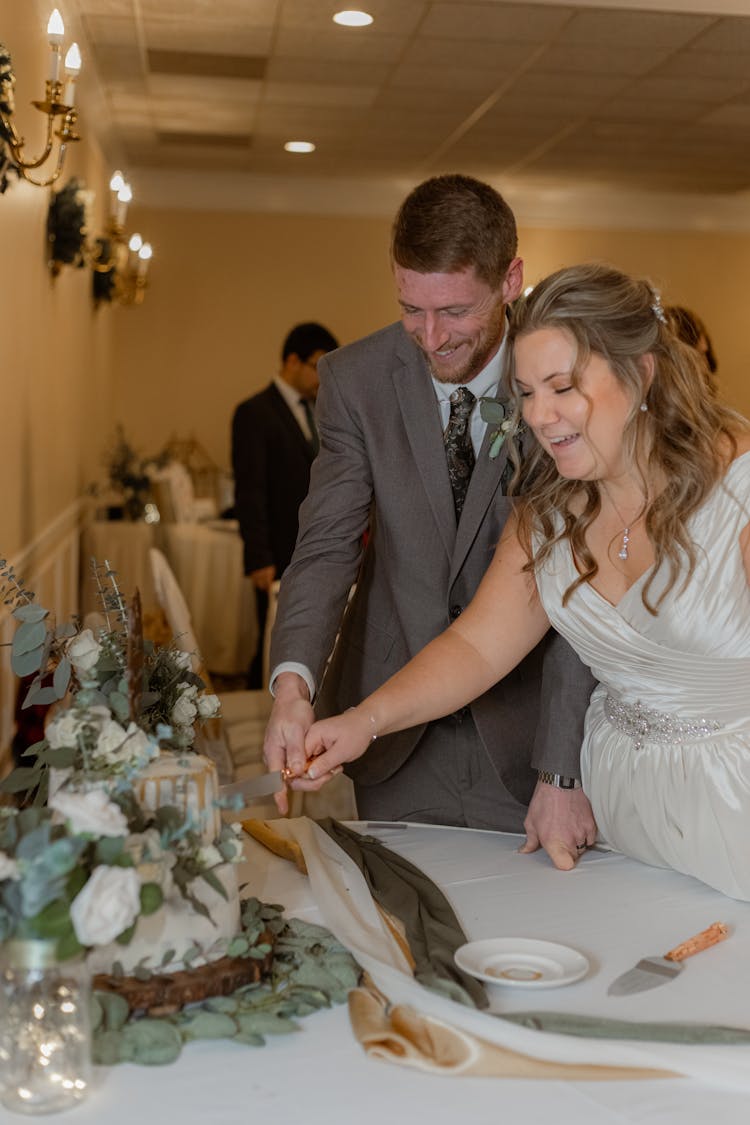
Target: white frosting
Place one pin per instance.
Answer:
(176, 926)
(187, 781)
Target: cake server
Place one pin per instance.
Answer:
(265, 785)
(650, 972)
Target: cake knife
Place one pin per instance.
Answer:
(650, 972)
(265, 785)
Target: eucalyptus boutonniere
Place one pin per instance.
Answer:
(495, 414)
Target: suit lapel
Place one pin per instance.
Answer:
(421, 416)
(289, 421)
(485, 481)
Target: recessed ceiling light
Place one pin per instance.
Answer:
(353, 18)
(299, 146)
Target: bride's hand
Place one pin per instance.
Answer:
(331, 742)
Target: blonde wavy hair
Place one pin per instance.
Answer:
(683, 439)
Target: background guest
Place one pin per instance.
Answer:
(274, 442)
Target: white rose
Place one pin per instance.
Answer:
(138, 747)
(110, 741)
(184, 711)
(209, 856)
(208, 706)
(84, 650)
(8, 868)
(65, 728)
(108, 904)
(90, 812)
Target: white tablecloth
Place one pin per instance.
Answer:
(208, 566)
(612, 909)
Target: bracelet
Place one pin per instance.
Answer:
(558, 780)
(374, 733)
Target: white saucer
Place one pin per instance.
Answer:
(522, 962)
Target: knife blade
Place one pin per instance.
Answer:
(264, 785)
(650, 972)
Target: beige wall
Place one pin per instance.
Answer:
(225, 288)
(54, 350)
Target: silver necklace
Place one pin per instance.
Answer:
(623, 552)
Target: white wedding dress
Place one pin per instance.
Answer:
(666, 754)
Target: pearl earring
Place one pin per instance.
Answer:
(644, 407)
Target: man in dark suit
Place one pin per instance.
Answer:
(274, 442)
(385, 412)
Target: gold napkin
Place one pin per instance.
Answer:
(401, 1035)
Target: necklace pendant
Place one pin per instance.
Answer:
(623, 552)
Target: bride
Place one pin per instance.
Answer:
(632, 538)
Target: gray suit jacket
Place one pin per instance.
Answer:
(382, 465)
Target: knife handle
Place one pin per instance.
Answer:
(704, 940)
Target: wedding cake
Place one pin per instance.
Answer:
(187, 782)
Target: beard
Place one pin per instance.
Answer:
(485, 346)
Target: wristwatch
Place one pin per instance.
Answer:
(558, 780)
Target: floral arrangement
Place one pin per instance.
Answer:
(66, 225)
(128, 475)
(127, 696)
(83, 869)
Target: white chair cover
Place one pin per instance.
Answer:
(170, 598)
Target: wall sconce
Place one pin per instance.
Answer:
(120, 266)
(59, 101)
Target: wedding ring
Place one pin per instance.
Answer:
(581, 847)
(287, 774)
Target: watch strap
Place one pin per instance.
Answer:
(558, 780)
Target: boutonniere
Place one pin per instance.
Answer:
(495, 414)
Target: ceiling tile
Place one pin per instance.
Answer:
(505, 23)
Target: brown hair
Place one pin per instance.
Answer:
(449, 223)
(679, 437)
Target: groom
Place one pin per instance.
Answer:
(405, 456)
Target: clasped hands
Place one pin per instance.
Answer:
(558, 820)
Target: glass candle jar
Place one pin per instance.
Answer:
(45, 1037)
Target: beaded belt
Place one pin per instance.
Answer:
(643, 725)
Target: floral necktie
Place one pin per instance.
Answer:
(307, 406)
(459, 452)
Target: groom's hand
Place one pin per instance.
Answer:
(561, 822)
(291, 718)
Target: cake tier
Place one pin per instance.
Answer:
(189, 782)
(176, 927)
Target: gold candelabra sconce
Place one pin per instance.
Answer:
(120, 264)
(58, 106)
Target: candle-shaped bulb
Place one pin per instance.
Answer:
(144, 257)
(135, 244)
(117, 181)
(124, 197)
(72, 67)
(73, 61)
(55, 29)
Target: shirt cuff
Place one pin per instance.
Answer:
(300, 670)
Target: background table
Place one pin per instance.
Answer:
(208, 566)
(612, 909)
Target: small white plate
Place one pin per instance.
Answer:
(522, 962)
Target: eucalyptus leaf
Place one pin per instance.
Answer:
(151, 898)
(20, 779)
(264, 1023)
(31, 613)
(492, 411)
(107, 1048)
(24, 664)
(208, 1025)
(151, 1042)
(68, 945)
(115, 1010)
(28, 636)
(496, 445)
(61, 678)
(41, 697)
